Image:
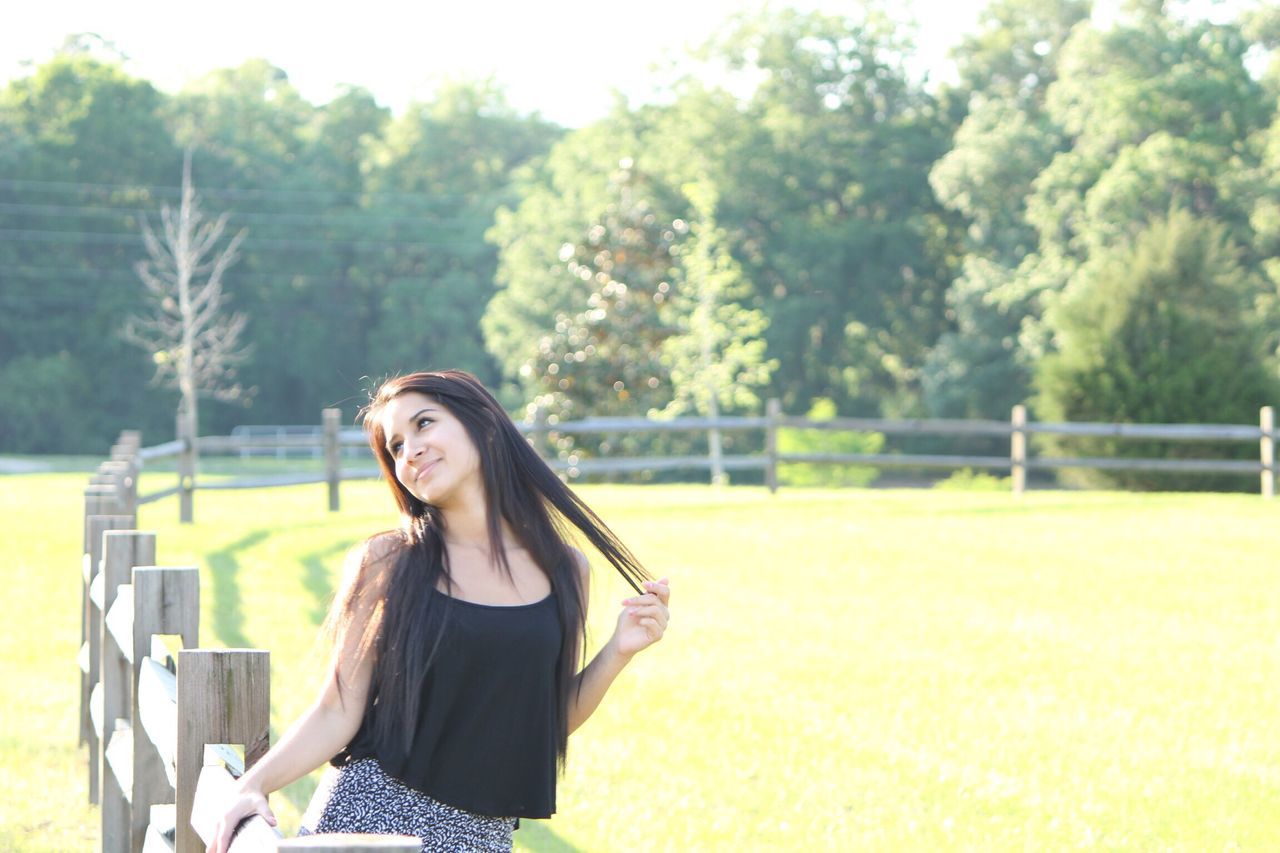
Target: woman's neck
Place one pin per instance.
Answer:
(468, 526)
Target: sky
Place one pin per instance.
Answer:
(561, 58)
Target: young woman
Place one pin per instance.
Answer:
(457, 638)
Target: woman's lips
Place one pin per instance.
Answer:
(428, 467)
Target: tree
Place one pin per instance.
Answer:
(979, 368)
(557, 200)
(449, 164)
(194, 342)
(830, 209)
(717, 357)
(1167, 328)
(78, 140)
(605, 357)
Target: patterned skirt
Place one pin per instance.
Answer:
(361, 797)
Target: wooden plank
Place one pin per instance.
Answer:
(166, 601)
(158, 713)
(117, 787)
(654, 463)
(164, 820)
(155, 842)
(348, 842)
(332, 419)
(615, 425)
(121, 551)
(266, 481)
(917, 426)
(96, 591)
(119, 764)
(95, 710)
(361, 474)
(120, 621)
(1267, 450)
(349, 437)
(232, 444)
(1171, 432)
(898, 460)
(185, 429)
(214, 789)
(160, 451)
(224, 696)
(1202, 466)
(160, 495)
(773, 414)
(1018, 449)
(91, 630)
(98, 501)
(226, 756)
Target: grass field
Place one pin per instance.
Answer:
(853, 670)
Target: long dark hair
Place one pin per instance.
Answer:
(406, 621)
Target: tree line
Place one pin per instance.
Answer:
(1087, 219)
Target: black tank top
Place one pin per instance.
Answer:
(485, 738)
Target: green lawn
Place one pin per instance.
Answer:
(875, 670)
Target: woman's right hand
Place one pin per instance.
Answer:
(247, 803)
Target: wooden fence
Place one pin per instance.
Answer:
(331, 439)
(160, 716)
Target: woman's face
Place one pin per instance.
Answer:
(434, 457)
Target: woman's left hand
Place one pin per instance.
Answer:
(644, 618)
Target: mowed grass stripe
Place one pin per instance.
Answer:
(845, 669)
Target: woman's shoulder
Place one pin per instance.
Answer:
(580, 562)
(382, 548)
(370, 561)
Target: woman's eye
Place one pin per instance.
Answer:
(395, 449)
(423, 421)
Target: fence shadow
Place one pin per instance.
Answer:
(315, 580)
(224, 568)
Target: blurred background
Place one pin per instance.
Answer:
(862, 209)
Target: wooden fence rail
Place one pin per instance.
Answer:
(329, 439)
(162, 717)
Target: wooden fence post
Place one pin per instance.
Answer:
(714, 446)
(224, 696)
(186, 468)
(166, 600)
(1018, 449)
(332, 419)
(98, 500)
(773, 411)
(541, 434)
(97, 526)
(119, 474)
(122, 550)
(126, 451)
(1267, 420)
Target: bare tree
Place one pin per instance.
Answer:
(195, 344)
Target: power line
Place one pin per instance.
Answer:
(176, 192)
(232, 275)
(250, 218)
(8, 235)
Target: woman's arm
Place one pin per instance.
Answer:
(643, 621)
(333, 719)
